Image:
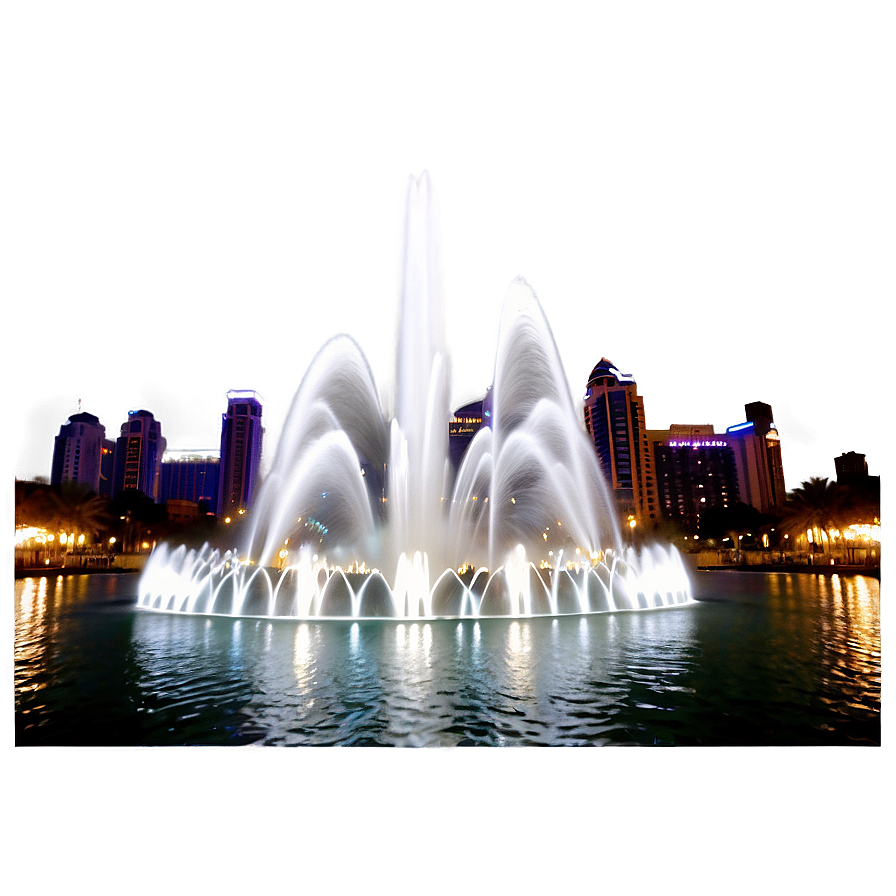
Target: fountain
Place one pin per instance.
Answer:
(526, 526)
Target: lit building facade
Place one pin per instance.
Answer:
(241, 442)
(757, 447)
(614, 415)
(190, 476)
(696, 470)
(138, 455)
(83, 454)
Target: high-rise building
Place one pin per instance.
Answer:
(850, 466)
(758, 452)
(696, 471)
(614, 415)
(190, 476)
(81, 454)
(241, 441)
(138, 455)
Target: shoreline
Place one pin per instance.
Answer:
(42, 571)
(840, 569)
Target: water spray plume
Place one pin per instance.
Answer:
(351, 492)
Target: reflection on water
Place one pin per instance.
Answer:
(762, 659)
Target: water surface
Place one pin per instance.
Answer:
(759, 659)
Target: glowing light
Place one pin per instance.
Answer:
(863, 531)
(697, 443)
(26, 533)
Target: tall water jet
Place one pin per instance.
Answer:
(361, 514)
(419, 468)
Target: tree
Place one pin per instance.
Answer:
(734, 522)
(70, 507)
(817, 505)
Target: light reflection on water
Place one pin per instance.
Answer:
(764, 659)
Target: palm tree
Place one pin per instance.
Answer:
(78, 510)
(816, 505)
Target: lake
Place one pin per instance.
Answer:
(759, 659)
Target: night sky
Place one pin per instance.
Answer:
(198, 198)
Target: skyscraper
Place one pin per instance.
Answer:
(79, 453)
(614, 415)
(757, 448)
(138, 455)
(241, 440)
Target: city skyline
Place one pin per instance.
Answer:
(719, 238)
(182, 448)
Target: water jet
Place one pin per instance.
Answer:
(363, 516)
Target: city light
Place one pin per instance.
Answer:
(27, 533)
(859, 532)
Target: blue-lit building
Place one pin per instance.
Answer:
(190, 476)
(241, 443)
(138, 455)
(757, 448)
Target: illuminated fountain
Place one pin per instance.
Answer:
(362, 515)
